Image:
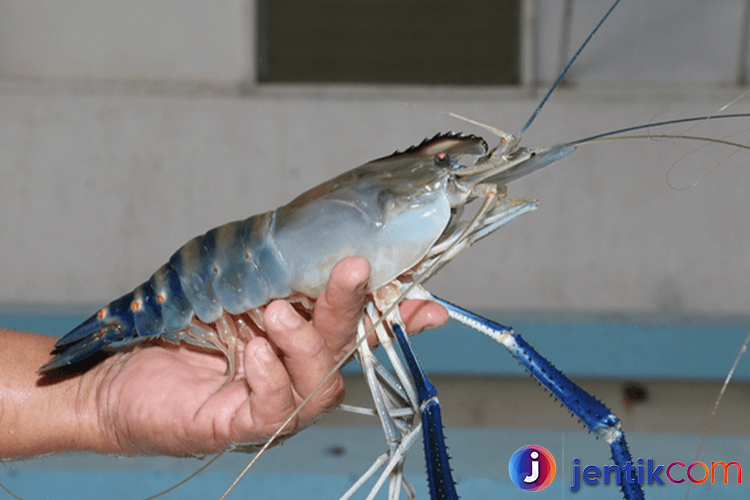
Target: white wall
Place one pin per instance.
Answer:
(103, 177)
(135, 40)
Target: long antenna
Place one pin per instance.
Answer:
(595, 138)
(565, 70)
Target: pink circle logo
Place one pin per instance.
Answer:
(532, 468)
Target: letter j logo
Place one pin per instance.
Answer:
(532, 468)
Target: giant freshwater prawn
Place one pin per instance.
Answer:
(405, 214)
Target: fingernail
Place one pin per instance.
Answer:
(362, 286)
(261, 354)
(264, 353)
(289, 318)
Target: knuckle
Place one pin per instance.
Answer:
(269, 421)
(271, 426)
(330, 395)
(313, 347)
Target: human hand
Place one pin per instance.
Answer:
(175, 399)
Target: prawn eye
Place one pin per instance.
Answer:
(442, 159)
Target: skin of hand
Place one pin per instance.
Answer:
(176, 400)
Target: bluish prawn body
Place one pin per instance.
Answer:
(391, 211)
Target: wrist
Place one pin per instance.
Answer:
(78, 425)
(45, 415)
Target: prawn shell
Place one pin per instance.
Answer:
(234, 267)
(367, 218)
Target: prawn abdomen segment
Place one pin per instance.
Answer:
(235, 267)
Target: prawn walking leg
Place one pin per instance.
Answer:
(439, 477)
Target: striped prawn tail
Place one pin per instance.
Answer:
(110, 325)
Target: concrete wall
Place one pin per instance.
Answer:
(166, 40)
(125, 130)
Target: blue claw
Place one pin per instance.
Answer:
(594, 415)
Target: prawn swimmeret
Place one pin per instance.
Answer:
(404, 213)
